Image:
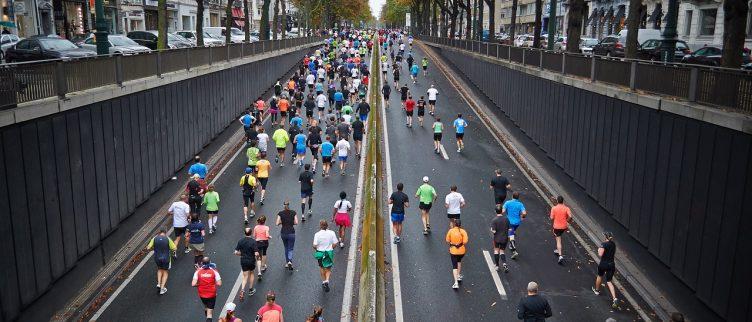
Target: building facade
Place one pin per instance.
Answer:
(701, 24)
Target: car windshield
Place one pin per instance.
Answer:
(236, 32)
(121, 41)
(208, 35)
(213, 33)
(590, 42)
(172, 37)
(56, 44)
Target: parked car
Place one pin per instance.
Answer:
(79, 39)
(586, 45)
(609, 46)
(119, 45)
(711, 56)
(44, 47)
(651, 49)
(643, 35)
(7, 41)
(524, 41)
(209, 41)
(560, 44)
(149, 39)
(236, 35)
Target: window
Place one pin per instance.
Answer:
(23, 44)
(687, 22)
(707, 22)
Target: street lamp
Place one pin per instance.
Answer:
(103, 44)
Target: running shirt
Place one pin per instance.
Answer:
(324, 240)
(409, 105)
(261, 232)
(321, 100)
(281, 138)
(514, 209)
(270, 313)
(283, 105)
(262, 168)
(342, 148)
(424, 62)
(342, 206)
(415, 70)
(500, 229)
(454, 200)
(247, 248)
(432, 93)
(198, 168)
(499, 184)
(162, 246)
(263, 141)
(296, 121)
(252, 153)
(457, 238)
(438, 127)
(195, 230)
(326, 149)
(426, 193)
(306, 181)
(247, 182)
(560, 214)
(398, 199)
(179, 211)
(347, 109)
(460, 125)
(247, 120)
(211, 200)
(338, 96)
(609, 252)
(403, 92)
(206, 282)
(300, 142)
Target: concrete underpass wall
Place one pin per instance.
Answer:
(67, 180)
(678, 185)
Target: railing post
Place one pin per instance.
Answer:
(227, 53)
(119, 70)
(187, 59)
(592, 68)
(498, 47)
(488, 50)
(509, 53)
(523, 56)
(632, 75)
(694, 74)
(563, 62)
(263, 46)
(61, 85)
(540, 59)
(158, 57)
(242, 49)
(211, 54)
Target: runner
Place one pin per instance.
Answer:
(432, 94)
(427, 195)
(607, 267)
(343, 147)
(247, 120)
(313, 143)
(248, 184)
(560, 216)
(163, 247)
(287, 219)
(230, 317)
(323, 244)
(247, 249)
(424, 62)
(206, 279)
(262, 236)
(299, 141)
(533, 307)
(421, 110)
(457, 238)
(263, 140)
(270, 312)
(404, 94)
(358, 128)
(341, 216)
(198, 168)
(515, 211)
(310, 105)
(500, 185)
(273, 110)
(460, 124)
(321, 101)
(306, 191)
(281, 138)
(438, 128)
(195, 234)
(396, 77)
(179, 211)
(363, 109)
(259, 111)
(454, 202)
(263, 167)
(327, 149)
(317, 315)
(195, 192)
(414, 72)
(211, 202)
(252, 153)
(409, 106)
(500, 231)
(284, 106)
(399, 202)
(278, 88)
(386, 90)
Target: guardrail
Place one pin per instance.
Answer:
(713, 86)
(25, 82)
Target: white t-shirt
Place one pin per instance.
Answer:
(310, 79)
(321, 72)
(342, 206)
(342, 148)
(356, 82)
(325, 240)
(263, 139)
(402, 47)
(179, 211)
(354, 72)
(384, 66)
(321, 100)
(454, 200)
(347, 118)
(432, 92)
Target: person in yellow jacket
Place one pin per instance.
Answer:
(280, 138)
(248, 184)
(456, 237)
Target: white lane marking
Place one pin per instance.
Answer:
(347, 294)
(396, 286)
(233, 292)
(443, 152)
(495, 275)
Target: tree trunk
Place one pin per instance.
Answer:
(434, 24)
(275, 20)
(162, 24)
(284, 18)
(228, 22)
(734, 27)
(426, 26)
(468, 21)
(491, 20)
(264, 25)
(200, 23)
(537, 25)
(246, 22)
(633, 22)
(455, 13)
(480, 19)
(513, 22)
(574, 25)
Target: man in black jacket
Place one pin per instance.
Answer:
(533, 307)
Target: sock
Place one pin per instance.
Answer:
(496, 259)
(302, 207)
(310, 203)
(512, 245)
(503, 258)
(214, 220)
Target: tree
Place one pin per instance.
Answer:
(264, 26)
(284, 17)
(228, 22)
(537, 25)
(491, 20)
(574, 25)
(275, 20)
(633, 23)
(513, 21)
(468, 20)
(479, 20)
(434, 23)
(162, 24)
(246, 22)
(200, 23)
(734, 27)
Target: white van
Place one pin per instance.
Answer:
(642, 35)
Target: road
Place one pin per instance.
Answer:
(424, 265)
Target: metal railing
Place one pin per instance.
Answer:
(717, 87)
(25, 82)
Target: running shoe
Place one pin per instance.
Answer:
(515, 254)
(326, 286)
(615, 304)
(241, 296)
(506, 268)
(455, 286)
(459, 278)
(251, 291)
(186, 251)
(159, 289)
(596, 292)
(163, 291)
(245, 222)
(310, 212)
(561, 260)
(425, 231)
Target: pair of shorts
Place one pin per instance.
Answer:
(460, 136)
(209, 302)
(262, 246)
(212, 212)
(403, 99)
(502, 245)
(342, 158)
(283, 113)
(338, 105)
(197, 247)
(425, 67)
(513, 229)
(414, 75)
(386, 97)
(315, 153)
(398, 218)
(409, 112)
(425, 206)
(342, 219)
(453, 216)
(437, 136)
(606, 271)
(363, 117)
(309, 113)
(320, 108)
(306, 194)
(281, 150)
(357, 136)
(396, 79)
(164, 264)
(326, 160)
(432, 102)
(179, 231)
(500, 199)
(559, 232)
(456, 259)
(300, 151)
(421, 111)
(263, 182)
(248, 199)
(247, 266)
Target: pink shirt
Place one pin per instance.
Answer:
(261, 232)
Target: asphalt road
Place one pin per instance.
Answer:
(425, 268)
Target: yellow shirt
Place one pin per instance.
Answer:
(262, 167)
(457, 238)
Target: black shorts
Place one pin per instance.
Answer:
(178, 231)
(326, 160)
(386, 97)
(357, 136)
(338, 105)
(425, 67)
(320, 108)
(460, 135)
(453, 216)
(163, 264)
(283, 113)
(306, 193)
(437, 136)
(315, 153)
(396, 79)
(409, 113)
(248, 199)
(432, 102)
(403, 98)
(502, 245)
(247, 266)
(456, 259)
(309, 113)
(559, 232)
(421, 111)
(500, 198)
(425, 206)
(606, 271)
(262, 246)
(281, 150)
(263, 182)
(209, 303)
(212, 212)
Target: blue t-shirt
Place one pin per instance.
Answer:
(247, 120)
(195, 229)
(460, 125)
(300, 141)
(312, 66)
(319, 87)
(198, 168)
(357, 44)
(296, 121)
(415, 69)
(338, 97)
(326, 149)
(514, 210)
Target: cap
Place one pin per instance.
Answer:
(230, 307)
(608, 234)
(196, 176)
(425, 179)
(248, 170)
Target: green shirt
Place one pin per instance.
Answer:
(426, 193)
(211, 200)
(252, 154)
(347, 109)
(425, 62)
(438, 127)
(281, 138)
